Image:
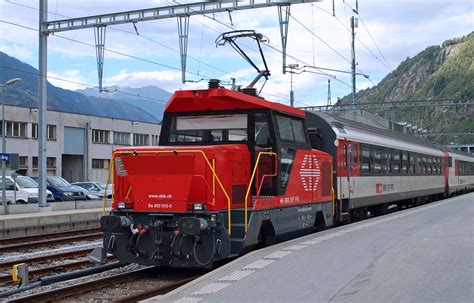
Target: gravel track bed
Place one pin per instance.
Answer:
(126, 268)
(156, 278)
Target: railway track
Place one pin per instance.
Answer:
(60, 268)
(47, 258)
(6, 242)
(52, 241)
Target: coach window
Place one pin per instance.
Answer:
(377, 160)
(413, 163)
(408, 163)
(344, 156)
(388, 161)
(396, 162)
(355, 153)
(365, 159)
(404, 162)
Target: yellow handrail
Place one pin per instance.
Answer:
(198, 151)
(250, 185)
(110, 171)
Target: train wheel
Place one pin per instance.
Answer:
(266, 237)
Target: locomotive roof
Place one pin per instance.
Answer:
(222, 99)
(345, 128)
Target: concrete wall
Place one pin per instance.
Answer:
(55, 206)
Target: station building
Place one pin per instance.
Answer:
(79, 147)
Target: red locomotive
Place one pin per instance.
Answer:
(233, 171)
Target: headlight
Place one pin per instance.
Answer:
(122, 205)
(68, 193)
(198, 206)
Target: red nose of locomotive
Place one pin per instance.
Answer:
(170, 179)
(171, 202)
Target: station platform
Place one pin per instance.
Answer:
(20, 225)
(422, 254)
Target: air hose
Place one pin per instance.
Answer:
(212, 252)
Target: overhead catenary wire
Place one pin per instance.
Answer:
(134, 33)
(385, 63)
(357, 12)
(174, 68)
(231, 26)
(328, 45)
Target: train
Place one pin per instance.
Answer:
(234, 171)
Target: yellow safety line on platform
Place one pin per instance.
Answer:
(198, 151)
(250, 185)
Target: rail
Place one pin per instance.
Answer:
(250, 185)
(175, 151)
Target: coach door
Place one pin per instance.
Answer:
(345, 169)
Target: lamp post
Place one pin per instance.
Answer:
(4, 143)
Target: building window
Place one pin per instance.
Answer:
(34, 130)
(140, 139)
(35, 162)
(155, 140)
(121, 138)
(100, 136)
(51, 162)
(100, 163)
(23, 162)
(50, 131)
(14, 129)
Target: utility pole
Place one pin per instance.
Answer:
(354, 22)
(329, 93)
(42, 107)
(292, 93)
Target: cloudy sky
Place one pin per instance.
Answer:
(388, 32)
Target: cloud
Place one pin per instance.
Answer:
(20, 52)
(168, 80)
(68, 79)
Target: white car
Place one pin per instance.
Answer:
(26, 190)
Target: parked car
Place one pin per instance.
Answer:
(89, 195)
(26, 190)
(63, 190)
(96, 187)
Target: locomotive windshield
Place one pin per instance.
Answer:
(209, 128)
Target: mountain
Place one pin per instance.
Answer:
(151, 99)
(26, 94)
(437, 73)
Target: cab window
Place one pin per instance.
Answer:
(291, 129)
